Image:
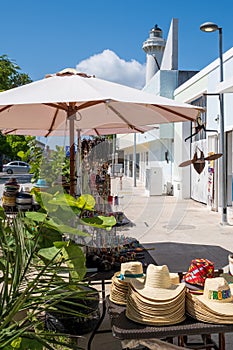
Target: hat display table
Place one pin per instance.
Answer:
(125, 329)
(103, 278)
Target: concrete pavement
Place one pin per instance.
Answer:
(167, 219)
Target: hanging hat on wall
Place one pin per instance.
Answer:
(158, 301)
(120, 280)
(215, 305)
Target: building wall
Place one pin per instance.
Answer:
(207, 82)
(155, 154)
(181, 176)
(160, 141)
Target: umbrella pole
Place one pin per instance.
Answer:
(71, 117)
(79, 164)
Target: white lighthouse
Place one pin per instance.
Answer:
(154, 47)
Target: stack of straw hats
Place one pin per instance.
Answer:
(215, 305)
(157, 301)
(120, 281)
(11, 188)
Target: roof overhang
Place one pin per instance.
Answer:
(226, 86)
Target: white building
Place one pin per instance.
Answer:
(158, 153)
(205, 86)
(154, 150)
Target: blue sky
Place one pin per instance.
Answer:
(105, 37)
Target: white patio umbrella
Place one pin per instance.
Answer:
(45, 106)
(113, 129)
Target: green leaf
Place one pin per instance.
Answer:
(49, 253)
(63, 200)
(2, 213)
(76, 260)
(21, 154)
(71, 230)
(36, 216)
(16, 343)
(86, 201)
(32, 344)
(100, 221)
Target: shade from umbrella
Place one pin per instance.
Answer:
(45, 106)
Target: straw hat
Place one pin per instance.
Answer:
(12, 186)
(131, 270)
(215, 305)
(158, 285)
(158, 301)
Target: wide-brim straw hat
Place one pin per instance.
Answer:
(158, 285)
(157, 301)
(159, 313)
(120, 280)
(118, 293)
(215, 305)
(130, 270)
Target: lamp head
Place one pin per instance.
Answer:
(209, 27)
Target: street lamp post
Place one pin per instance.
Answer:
(212, 27)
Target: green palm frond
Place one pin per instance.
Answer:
(29, 288)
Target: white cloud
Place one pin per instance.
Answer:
(107, 65)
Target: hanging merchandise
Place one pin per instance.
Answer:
(198, 160)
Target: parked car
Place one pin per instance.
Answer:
(16, 167)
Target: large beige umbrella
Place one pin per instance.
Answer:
(44, 107)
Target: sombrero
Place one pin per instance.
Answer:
(215, 305)
(158, 301)
(158, 285)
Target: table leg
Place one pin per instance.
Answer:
(182, 340)
(101, 318)
(221, 341)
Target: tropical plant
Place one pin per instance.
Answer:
(28, 289)
(61, 214)
(39, 269)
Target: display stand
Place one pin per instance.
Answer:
(125, 329)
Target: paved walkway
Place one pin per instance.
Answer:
(167, 219)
